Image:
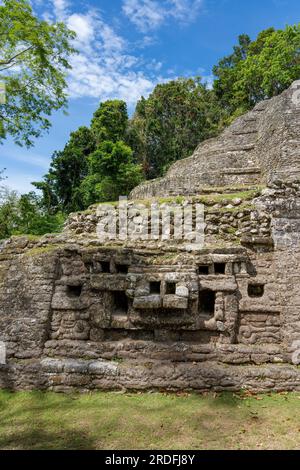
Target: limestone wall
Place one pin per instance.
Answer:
(228, 218)
(80, 312)
(87, 316)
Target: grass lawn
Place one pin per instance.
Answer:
(36, 420)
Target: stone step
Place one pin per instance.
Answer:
(241, 171)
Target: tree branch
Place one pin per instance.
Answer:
(9, 61)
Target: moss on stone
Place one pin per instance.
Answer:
(40, 250)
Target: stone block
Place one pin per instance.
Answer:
(176, 302)
(147, 302)
(182, 291)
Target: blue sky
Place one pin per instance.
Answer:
(127, 46)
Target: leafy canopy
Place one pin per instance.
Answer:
(171, 122)
(34, 60)
(68, 168)
(112, 173)
(258, 69)
(110, 121)
(25, 215)
(113, 155)
(96, 164)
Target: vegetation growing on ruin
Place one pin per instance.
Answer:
(41, 250)
(169, 124)
(216, 196)
(116, 151)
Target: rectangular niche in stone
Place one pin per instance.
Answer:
(122, 268)
(203, 270)
(207, 300)
(155, 287)
(74, 291)
(120, 303)
(105, 266)
(256, 290)
(170, 288)
(220, 268)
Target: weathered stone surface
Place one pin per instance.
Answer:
(81, 313)
(260, 146)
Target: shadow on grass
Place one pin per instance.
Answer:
(41, 439)
(38, 420)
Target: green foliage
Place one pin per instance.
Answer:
(24, 215)
(33, 64)
(258, 70)
(95, 166)
(112, 173)
(167, 126)
(107, 160)
(69, 167)
(110, 121)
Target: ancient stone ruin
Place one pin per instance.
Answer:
(154, 310)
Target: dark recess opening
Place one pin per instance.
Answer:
(220, 268)
(256, 290)
(105, 266)
(74, 291)
(207, 301)
(171, 288)
(122, 268)
(120, 302)
(204, 270)
(155, 287)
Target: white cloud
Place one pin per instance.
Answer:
(60, 9)
(145, 14)
(104, 68)
(150, 14)
(185, 11)
(208, 80)
(83, 27)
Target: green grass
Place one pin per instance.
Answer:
(215, 196)
(36, 420)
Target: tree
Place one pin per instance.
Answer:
(112, 173)
(33, 65)
(167, 126)
(68, 168)
(95, 164)
(110, 121)
(25, 215)
(227, 70)
(259, 69)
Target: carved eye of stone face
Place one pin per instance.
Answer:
(256, 290)
(80, 327)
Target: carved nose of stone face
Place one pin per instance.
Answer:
(2, 353)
